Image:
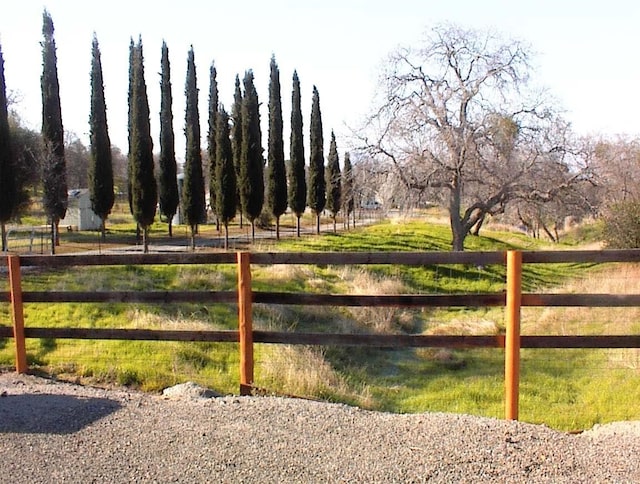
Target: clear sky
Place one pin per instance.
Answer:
(586, 53)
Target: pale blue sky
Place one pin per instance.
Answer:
(587, 53)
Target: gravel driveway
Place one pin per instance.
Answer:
(58, 432)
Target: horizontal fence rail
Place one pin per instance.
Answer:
(512, 299)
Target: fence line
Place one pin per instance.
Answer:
(512, 299)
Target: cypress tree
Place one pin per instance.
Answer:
(8, 190)
(251, 163)
(236, 139)
(297, 175)
(144, 194)
(54, 177)
(100, 168)
(193, 200)
(348, 188)
(212, 139)
(317, 187)
(168, 177)
(334, 188)
(276, 175)
(225, 176)
(132, 50)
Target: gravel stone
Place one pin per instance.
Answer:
(60, 432)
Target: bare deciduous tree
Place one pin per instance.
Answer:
(617, 164)
(77, 157)
(458, 121)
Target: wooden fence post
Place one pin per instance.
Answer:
(512, 337)
(245, 323)
(17, 313)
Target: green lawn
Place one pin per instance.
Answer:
(565, 389)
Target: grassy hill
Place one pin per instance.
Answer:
(566, 389)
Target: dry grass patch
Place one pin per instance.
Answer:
(283, 275)
(200, 278)
(287, 272)
(304, 371)
(463, 326)
(377, 319)
(140, 319)
(613, 279)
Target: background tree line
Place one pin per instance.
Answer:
(457, 125)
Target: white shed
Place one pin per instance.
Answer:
(80, 216)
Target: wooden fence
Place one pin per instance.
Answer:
(512, 299)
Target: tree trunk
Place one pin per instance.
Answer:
(298, 225)
(548, 232)
(5, 243)
(317, 223)
(476, 228)
(103, 229)
(145, 240)
(171, 227)
(457, 227)
(226, 236)
(334, 225)
(457, 244)
(278, 227)
(194, 231)
(54, 235)
(253, 231)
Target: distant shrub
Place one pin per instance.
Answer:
(621, 229)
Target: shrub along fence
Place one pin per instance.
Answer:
(512, 299)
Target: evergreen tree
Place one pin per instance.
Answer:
(297, 175)
(276, 175)
(236, 139)
(317, 187)
(26, 147)
(100, 168)
(193, 200)
(132, 50)
(334, 188)
(251, 163)
(54, 177)
(212, 140)
(225, 176)
(348, 193)
(8, 190)
(168, 177)
(144, 192)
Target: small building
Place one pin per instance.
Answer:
(79, 215)
(178, 218)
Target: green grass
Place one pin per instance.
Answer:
(565, 389)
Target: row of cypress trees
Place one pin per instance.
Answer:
(236, 176)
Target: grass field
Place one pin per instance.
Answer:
(565, 389)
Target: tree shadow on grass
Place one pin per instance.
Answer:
(51, 414)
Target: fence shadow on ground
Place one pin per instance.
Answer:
(51, 414)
